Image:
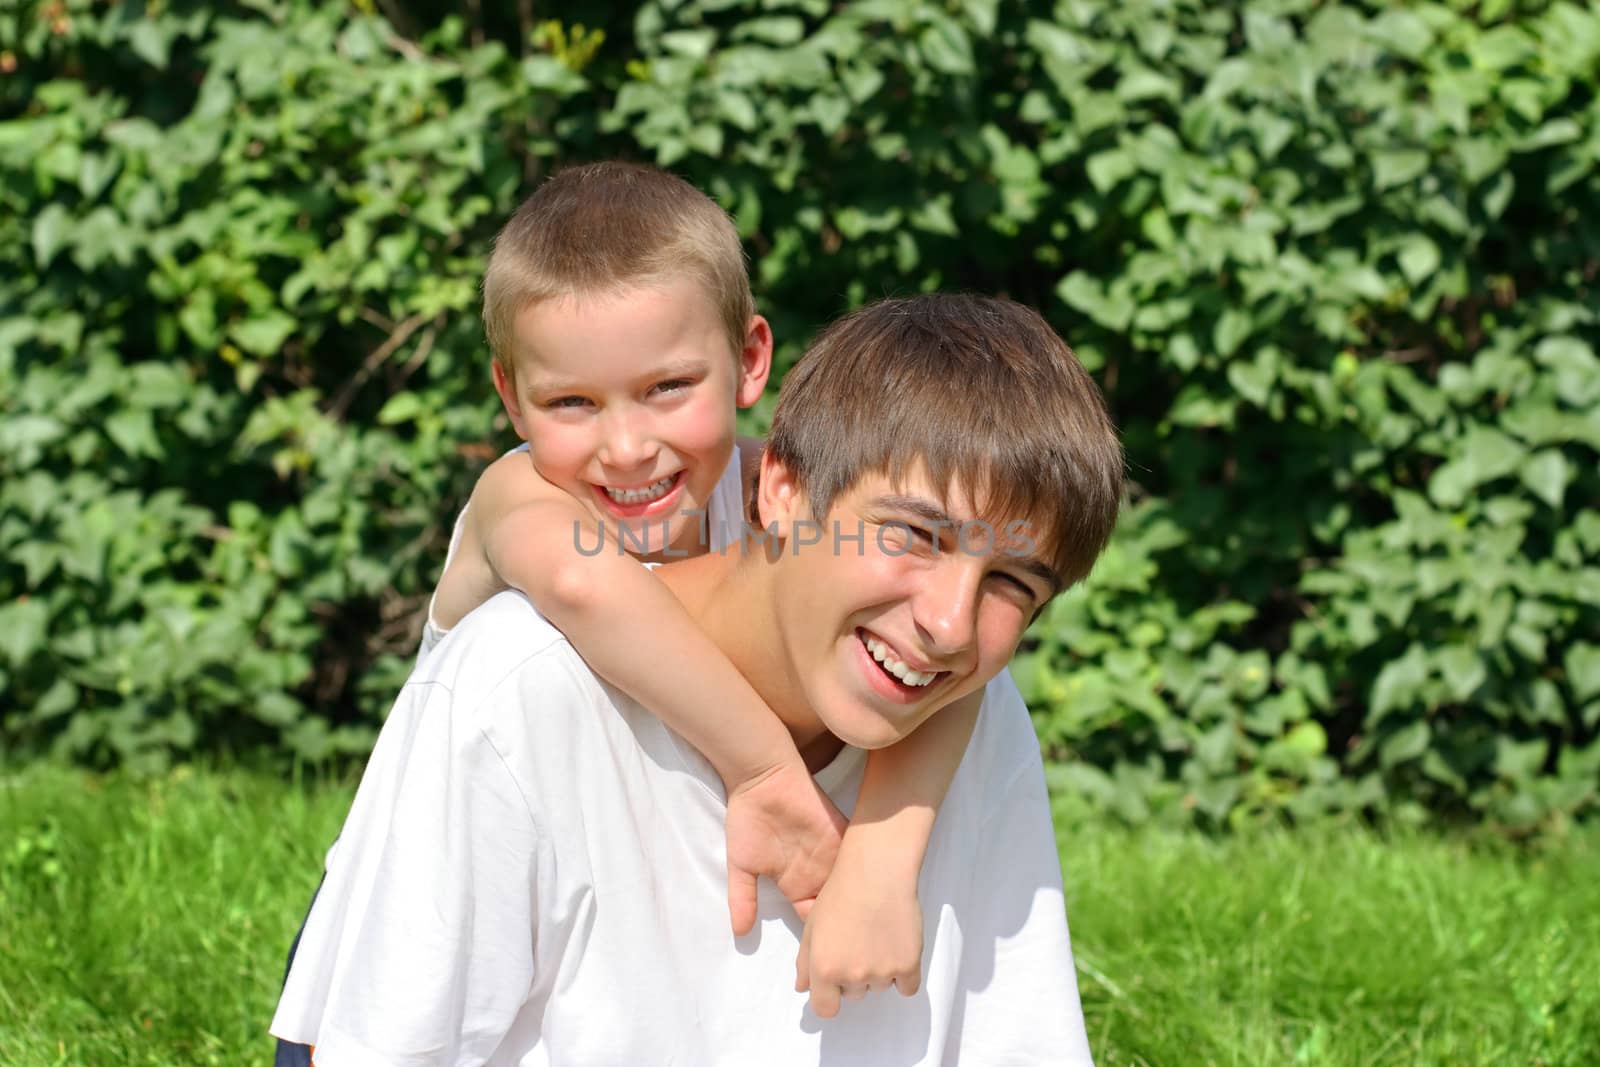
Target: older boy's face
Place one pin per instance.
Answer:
(927, 606)
(627, 402)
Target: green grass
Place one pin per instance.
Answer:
(145, 923)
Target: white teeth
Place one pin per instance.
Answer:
(882, 654)
(651, 492)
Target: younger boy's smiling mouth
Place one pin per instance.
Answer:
(637, 500)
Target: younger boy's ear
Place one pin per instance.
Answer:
(755, 361)
(506, 386)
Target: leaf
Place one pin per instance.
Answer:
(1397, 167)
(1492, 454)
(1086, 294)
(1419, 258)
(151, 39)
(1405, 744)
(1233, 326)
(134, 432)
(771, 29)
(198, 318)
(736, 109)
(1404, 31)
(1519, 760)
(1498, 195)
(262, 335)
(402, 407)
(1450, 484)
(1106, 169)
(693, 44)
(23, 625)
(1142, 83)
(50, 228)
(1502, 47)
(944, 44)
(1547, 474)
(1252, 380)
(1577, 371)
(1583, 670)
(1462, 669)
(95, 172)
(1307, 738)
(547, 72)
(1399, 683)
(829, 112)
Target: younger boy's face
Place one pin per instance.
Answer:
(627, 403)
(906, 600)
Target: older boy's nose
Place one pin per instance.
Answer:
(946, 611)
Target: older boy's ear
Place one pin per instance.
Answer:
(506, 386)
(779, 500)
(755, 361)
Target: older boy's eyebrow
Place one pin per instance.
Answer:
(919, 506)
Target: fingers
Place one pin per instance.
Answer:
(802, 963)
(825, 1000)
(909, 982)
(826, 996)
(741, 900)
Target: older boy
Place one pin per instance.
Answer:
(530, 871)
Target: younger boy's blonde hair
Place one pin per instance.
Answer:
(602, 227)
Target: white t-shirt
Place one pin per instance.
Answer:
(724, 521)
(532, 873)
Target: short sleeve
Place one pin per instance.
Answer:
(1022, 1005)
(419, 949)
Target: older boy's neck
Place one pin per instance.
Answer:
(727, 597)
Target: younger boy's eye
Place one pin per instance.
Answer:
(557, 403)
(673, 385)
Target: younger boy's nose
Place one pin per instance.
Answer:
(626, 449)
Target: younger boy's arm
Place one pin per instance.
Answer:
(865, 931)
(628, 626)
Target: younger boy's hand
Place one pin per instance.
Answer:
(864, 934)
(782, 825)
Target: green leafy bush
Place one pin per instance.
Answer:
(1334, 264)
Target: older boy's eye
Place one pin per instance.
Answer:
(908, 536)
(672, 385)
(1018, 586)
(559, 402)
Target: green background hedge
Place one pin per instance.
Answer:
(1334, 264)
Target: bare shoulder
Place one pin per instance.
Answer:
(508, 483)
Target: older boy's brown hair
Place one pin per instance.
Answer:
(607, 226)
(978, 390)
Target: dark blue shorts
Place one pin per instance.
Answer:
(292, 1055)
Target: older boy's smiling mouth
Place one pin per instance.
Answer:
(892, 664)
